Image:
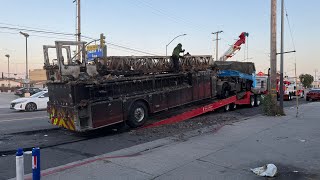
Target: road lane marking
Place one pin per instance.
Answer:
(10, 120)
(12, 114)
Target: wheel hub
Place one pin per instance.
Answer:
(139, 114)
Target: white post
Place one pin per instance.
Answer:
(19, 165)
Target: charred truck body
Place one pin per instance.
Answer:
(89, 95)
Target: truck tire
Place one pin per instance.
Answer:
(307, 99)
(257, 100)
(138, 114)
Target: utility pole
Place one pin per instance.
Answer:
(79, 28)
(281, 56)
(315, 74)
(297, 88)
(217, 39)
(273, 51)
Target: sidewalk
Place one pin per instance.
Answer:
(292, 144)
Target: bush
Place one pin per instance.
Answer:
(270, 106)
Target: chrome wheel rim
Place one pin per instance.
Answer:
(32, 107)
(139, 114)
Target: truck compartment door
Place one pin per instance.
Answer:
(106, 113)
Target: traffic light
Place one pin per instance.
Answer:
(102, 40)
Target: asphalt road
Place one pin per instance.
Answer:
(25, 129)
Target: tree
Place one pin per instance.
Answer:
(306, 80)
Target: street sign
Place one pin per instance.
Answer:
(94, 51)
(92, 47)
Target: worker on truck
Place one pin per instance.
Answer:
(175, 57)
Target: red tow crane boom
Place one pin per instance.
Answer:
(235, 47)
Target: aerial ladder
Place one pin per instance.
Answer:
(235, 47)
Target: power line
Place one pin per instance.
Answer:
(37, 31)
(170, 16)
(55, 37)
(112, 44)
(294, 47)
(67, 34)
(22, 26)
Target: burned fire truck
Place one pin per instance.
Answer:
(128, 89)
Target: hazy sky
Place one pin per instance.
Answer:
(148, 25)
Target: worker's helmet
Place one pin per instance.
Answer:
(179, 44)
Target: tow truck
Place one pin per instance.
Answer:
(85, 95)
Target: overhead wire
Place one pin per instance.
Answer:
(291, 35)
(63, 34)
(170, 16)
(22, 26)
(112, 44)
(294, 47)
(36, 31)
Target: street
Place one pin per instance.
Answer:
(59, 146)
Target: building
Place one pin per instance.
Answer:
(37, 75)
(316, 84)
(38, 78)
(10, 82)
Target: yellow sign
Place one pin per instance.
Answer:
(92, 47)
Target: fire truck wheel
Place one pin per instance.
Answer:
(31, 107)
(257, 100)
(138, 115)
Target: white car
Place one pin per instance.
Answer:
(35, 102)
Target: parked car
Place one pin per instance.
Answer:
(35, 102)
(20, 92)
(313, 94)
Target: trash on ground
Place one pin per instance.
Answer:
(302, 140)
(295, 171)
(28, 152)
(269, 170)
(3, 155)
(45, 135)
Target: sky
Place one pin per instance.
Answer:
(149, 25)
